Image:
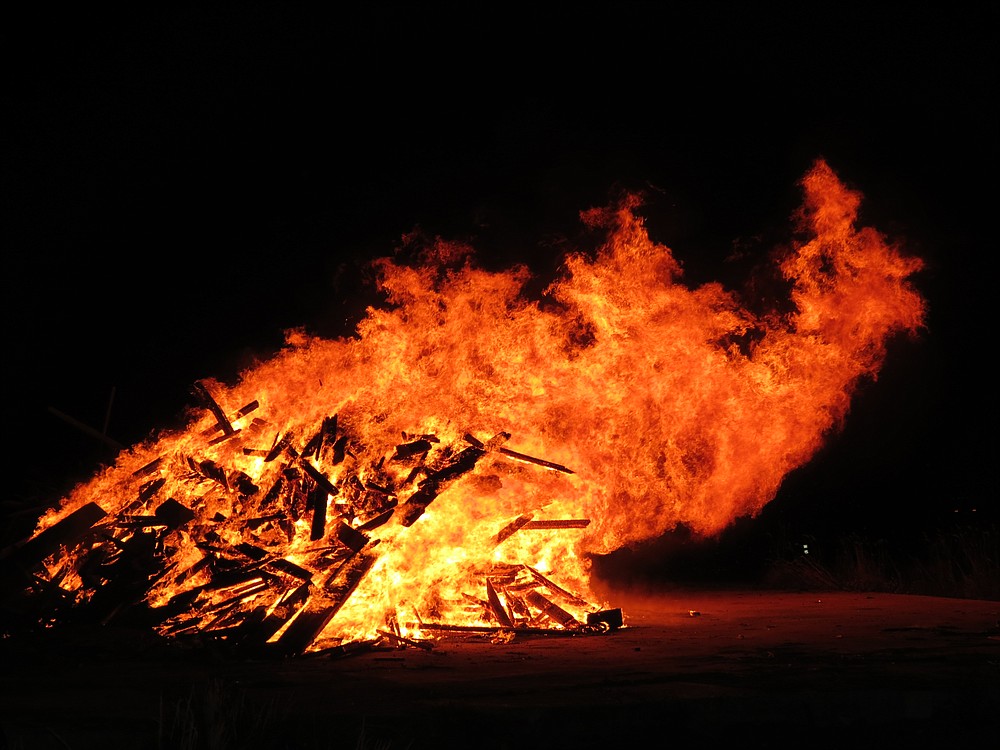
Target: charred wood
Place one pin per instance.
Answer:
(418, 447)
(150, 488)
(252, 551)
(551, 610)
(495, 445)
(304, 629)
(512, 527)
(288, 567)
(552, 586)
(320, 478)
(532, 460)
(243, 484)
(308, 625)
(279, 446)
(402, 641)
(496, 606)
(378, 520)
(342, 584)
(148, 469)
(351, 537)
(243, 411)
(568, 523)
(173, 514)
(318, 501)
(326, 435)
(64, 533)
(431, 487)
(339, 450)
(288, 605)
(210, 403)
(612, 618)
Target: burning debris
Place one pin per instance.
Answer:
(322, 501)
(213, 558)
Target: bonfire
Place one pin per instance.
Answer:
(455, 464)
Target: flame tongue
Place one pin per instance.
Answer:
(458, 459)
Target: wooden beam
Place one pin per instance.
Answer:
(66, 532)
(201, 391)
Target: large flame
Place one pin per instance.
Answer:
(652, 404)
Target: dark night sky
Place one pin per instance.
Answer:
(181, 188)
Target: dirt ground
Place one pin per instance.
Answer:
(758, 668)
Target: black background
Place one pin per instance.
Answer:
(181, 187)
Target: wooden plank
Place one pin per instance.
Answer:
(319, 477)
(279, 446)
(243, 411)
(551, 585)
(567, 523)
(318, 499)
(418, 447)
(173, 514)
(433, 485)
(495, 445)
(532, 460)
(351, 537)
(288, 605)
(551, 610)
(402, 641)
(496, 606)
(512, 527)
(201, 391)
(290, 568)
(378, 520)
(304, 629)
(148, 469)
(325, 435)
(66, 532)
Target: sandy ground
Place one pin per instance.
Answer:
(757, 668)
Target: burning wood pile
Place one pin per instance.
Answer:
(338, 493)
(213, 558)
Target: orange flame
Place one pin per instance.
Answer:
(665, 404)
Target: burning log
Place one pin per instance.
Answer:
(243, 411)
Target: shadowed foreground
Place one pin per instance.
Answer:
(759, 667)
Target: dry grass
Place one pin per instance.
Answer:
(219, 716)
(962, 562)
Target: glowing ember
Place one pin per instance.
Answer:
(455, 462)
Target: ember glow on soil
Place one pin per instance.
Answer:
(451, 467)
